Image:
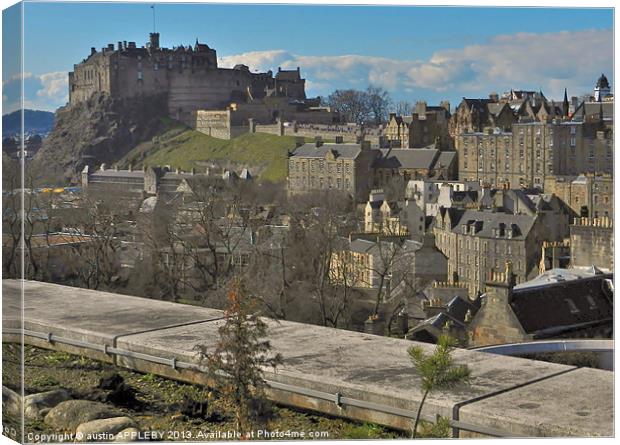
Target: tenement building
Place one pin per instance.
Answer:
(322, 166)
(534, 151)
(399, 218)
(589, 195)
(478, 242)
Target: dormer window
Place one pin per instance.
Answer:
(501, 232)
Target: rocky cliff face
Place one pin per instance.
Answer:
(101, 130)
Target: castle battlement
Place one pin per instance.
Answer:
(605, 222)
(448, 285)
(188, 75)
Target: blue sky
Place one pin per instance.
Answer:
(429, 53)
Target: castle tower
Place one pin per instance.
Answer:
(154, 40)
(601, 89)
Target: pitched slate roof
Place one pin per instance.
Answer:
(548, 309)
(488, 221)
(410, 158)
(111, 173)
(310, 150)
(445, 159)
(593, 109)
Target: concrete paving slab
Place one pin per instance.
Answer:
(368, 367)
(94, 315)
(578, 403)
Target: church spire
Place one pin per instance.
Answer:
(565, 104)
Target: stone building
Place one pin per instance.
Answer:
(425, 192)
(474, 115)
(479, 242)
(360, 262)
(534, 151)
(405, 264)
(588, 195)
(402, 218)
(397, 130)
(146, 181)
(561, 303)
(426, 125)
(592, 243)
(403, 165)
(323, 166)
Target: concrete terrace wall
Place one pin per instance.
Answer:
(370, 376)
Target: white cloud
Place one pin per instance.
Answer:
(46, 91)
(256, 60)
(55, 86)
(16, 77)
(550, 61)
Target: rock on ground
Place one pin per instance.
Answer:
(67, 415)
(103, 429)
(11, 402)
(34, 403)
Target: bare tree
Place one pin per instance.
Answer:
(11, 218)
(317, 223)
(165, 253)
(352, 104)
(403, 108)
(378, 103)
(361, 107)
(95, 246)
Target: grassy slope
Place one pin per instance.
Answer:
(184, 148)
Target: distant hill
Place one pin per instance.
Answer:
(181, 147)
(35, 122)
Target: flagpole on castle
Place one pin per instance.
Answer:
(153, 8)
